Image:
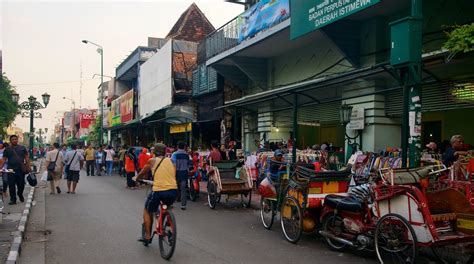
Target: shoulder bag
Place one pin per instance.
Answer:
(52, 165)
(68, 166)
(153, 175)
(24, 167)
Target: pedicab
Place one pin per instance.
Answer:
(228, 178)
(272, 190)
(435, 216)
(302, 204)
(403, 210)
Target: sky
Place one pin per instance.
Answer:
(43, 52)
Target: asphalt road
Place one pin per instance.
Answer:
(102, 221)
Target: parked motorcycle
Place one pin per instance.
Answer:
(347, 220)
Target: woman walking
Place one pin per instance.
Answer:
(130, 167)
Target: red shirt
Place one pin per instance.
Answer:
(129, 164)
(215, 155)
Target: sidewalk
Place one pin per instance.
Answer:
(9, 226)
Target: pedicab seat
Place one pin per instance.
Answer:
(409, 176)
(346, 203)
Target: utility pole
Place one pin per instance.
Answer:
(406, 58)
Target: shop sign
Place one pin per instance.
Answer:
(309, 15)
(126, 106)
(357, 119)
(115, 113)
(181, 128)
(87, 118)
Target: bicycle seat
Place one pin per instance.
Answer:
(346, 203)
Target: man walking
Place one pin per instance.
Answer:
(54, 156)
(74, 162)
(98, 160)
(109, 160)
(122, 161)
(90, 160)
(182, 161)
(17, 159)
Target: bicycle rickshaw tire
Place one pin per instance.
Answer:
(249, 196)
(272, 211)
(212, 195)
(175, 237)
(300, 221)
(406, 223)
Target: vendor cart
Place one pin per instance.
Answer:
(228, 177)
(305, 194)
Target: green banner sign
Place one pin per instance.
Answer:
(309, 15)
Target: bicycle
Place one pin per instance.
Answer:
(165, 228)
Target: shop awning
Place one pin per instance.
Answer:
(326, 89)
(129, 124)
(177, 114)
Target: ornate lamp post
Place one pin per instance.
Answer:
(30, 108)
(345, 116)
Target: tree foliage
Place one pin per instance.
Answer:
(95, 131)
(460, 39)
(8, 109)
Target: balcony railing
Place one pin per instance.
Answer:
(239, 29)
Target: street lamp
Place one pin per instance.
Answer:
(345, 116)
(100, 50)
(31, 107)
(73, 116)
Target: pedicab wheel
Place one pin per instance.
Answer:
(212, 195)
(192, 191)
(395, 240)
(291, 219)
(246, 199)
(333, 224)
(267, 212)
(167, 241)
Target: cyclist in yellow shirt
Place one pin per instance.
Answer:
(164, 186)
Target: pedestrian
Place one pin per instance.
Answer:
(63, 153)
(223, 152)
(74, 162)
(109, 160)
(214, 155)
(54, 156)
(122, 153)
(130, 167)
(143, 158)
(454, 151)
(3, 168)
(231, 153)
(17, 158)
(90, 160)
(182, 162)
(98, 160)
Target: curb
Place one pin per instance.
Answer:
(15, 249)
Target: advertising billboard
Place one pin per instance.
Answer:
(156, 81)
(126, 107)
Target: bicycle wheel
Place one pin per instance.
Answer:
(267, 212)
(167, 240)
(212, 194)
(291, 219)
(395, 240)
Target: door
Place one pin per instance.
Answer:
(328, 134)
(431, 132)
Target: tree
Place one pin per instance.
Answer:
(460, 39)
(95, 131)
(8, 109)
